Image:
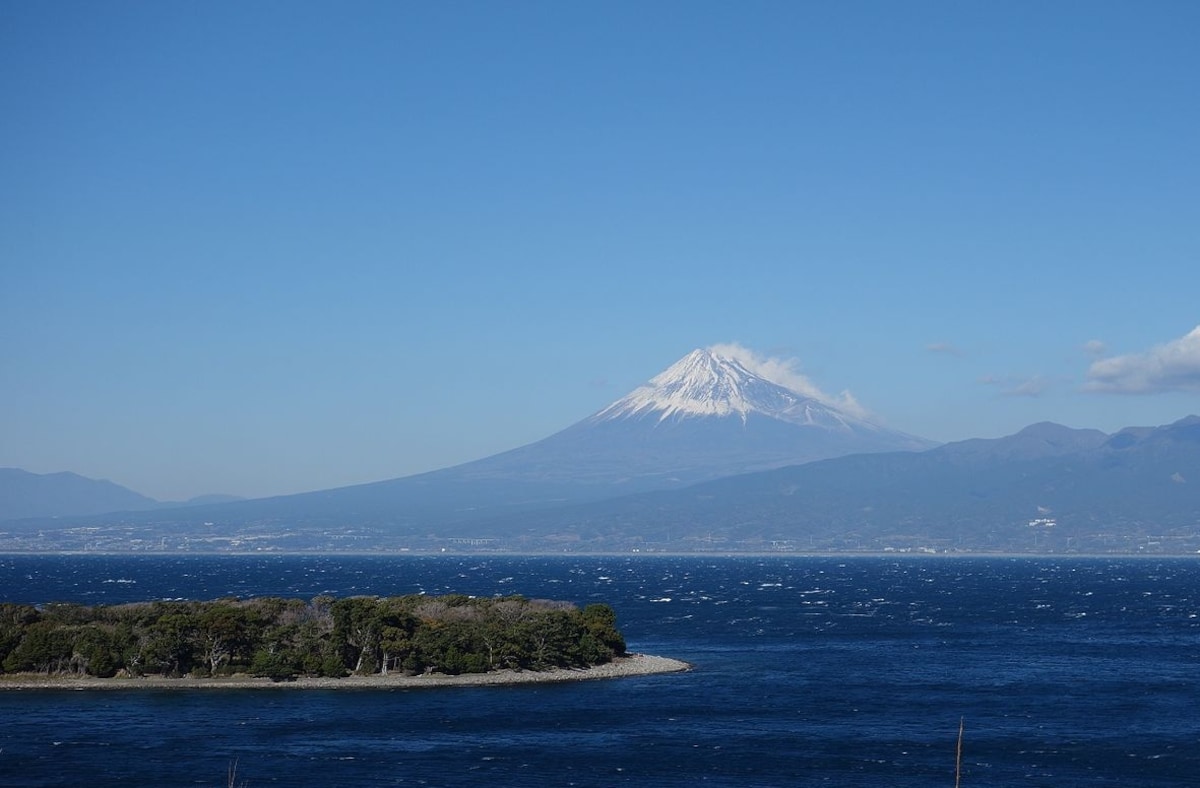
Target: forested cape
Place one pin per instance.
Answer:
(284, 639)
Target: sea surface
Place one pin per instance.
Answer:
(808, 671)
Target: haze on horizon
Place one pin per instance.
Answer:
(280, 247)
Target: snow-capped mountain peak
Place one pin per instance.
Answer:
(707, 382)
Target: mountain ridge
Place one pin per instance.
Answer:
(704, 417)
(711, 452)
(63, 493)
(1000, 494)
(1046, 488)
(28, 495)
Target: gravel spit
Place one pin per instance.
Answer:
(632, 665)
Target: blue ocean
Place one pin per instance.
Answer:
(808, 671)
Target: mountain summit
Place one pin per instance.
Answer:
(709, 383)
(708, 415)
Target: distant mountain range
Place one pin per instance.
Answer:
(1046, 487)
(26, 495)
(705, 417)
(712, 454)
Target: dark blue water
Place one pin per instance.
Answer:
(809, 671)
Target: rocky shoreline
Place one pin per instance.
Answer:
(632, 665)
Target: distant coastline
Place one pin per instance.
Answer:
(621, 667)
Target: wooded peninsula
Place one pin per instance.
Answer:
(287, 639)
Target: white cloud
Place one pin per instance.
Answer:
(1095, 348)
(945, 348)
(1032, 387)
(1018, 387)
(1173, 366)
(847, 403)
(786, 372)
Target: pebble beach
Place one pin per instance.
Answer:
(632, 665)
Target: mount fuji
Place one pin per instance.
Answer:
(709, 415)
(706, 416)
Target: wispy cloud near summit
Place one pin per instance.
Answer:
(786, 372)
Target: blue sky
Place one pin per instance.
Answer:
(265, 247)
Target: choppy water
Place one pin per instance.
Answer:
(809, 671)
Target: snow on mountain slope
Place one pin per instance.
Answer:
(709, 382)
